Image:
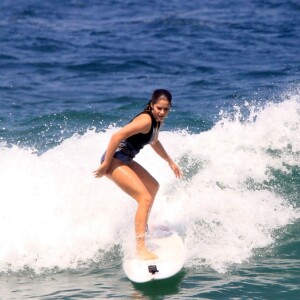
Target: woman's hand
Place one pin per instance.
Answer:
(176, 169)
(101, 171)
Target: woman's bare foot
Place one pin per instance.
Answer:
(146, 255)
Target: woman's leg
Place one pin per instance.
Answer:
(142, 186)
(144, 208)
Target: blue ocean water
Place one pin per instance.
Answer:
(73, 72)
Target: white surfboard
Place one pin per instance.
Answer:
(169, 248)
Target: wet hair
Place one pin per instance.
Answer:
(158, 95)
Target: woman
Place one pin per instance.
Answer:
(118, 165)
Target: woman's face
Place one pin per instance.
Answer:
(160, 109)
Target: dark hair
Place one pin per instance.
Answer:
(157, 94)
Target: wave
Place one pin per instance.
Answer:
(241, 185)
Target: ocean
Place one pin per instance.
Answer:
(73, 72)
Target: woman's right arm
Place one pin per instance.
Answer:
(111, 148)
(140, 124)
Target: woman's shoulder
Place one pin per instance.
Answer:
(139, 124)
(144, 116)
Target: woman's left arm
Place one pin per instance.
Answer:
(160, 150)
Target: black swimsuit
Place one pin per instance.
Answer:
(131, 146)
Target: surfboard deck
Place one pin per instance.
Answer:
(169, 248)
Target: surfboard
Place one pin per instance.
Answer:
(169, 248)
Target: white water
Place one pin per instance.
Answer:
(53, 213)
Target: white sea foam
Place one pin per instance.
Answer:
(53, 213)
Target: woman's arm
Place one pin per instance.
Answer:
(160, 150)
(140, 124)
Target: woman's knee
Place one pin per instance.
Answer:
(147, 200)
(156, 188)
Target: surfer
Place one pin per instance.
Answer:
(118, 165)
